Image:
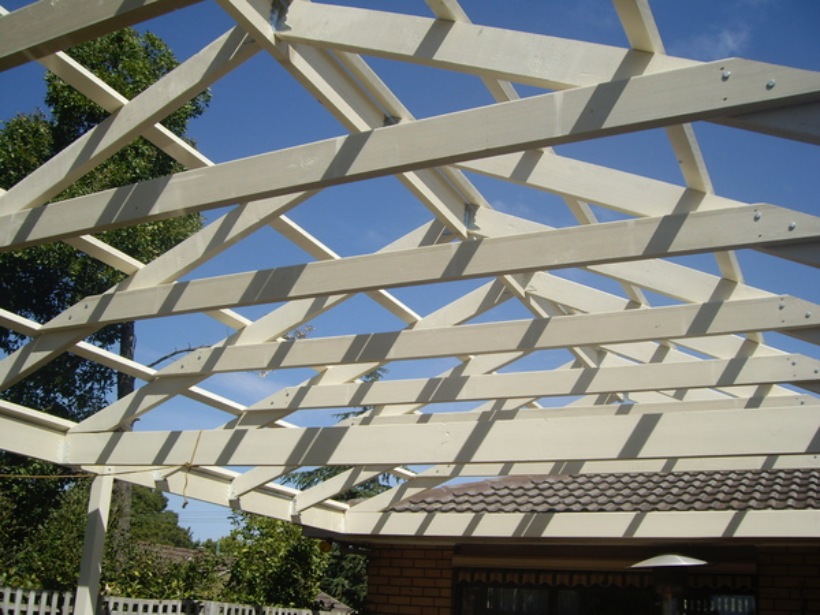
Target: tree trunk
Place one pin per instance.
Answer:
(128, 344)
(125, 386)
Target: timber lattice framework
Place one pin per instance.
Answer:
(619, 335)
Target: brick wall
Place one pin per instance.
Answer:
(418, 581)
(789, 581)
(410, 581)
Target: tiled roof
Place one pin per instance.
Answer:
(648, 492)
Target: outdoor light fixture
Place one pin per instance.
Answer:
(669, 560)
(669, 578)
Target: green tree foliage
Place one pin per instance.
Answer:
(144, 570)
(153, 523)
(345, 577)
(49, 556)
(273, 563)
(26, 501)
(304, 479)
(135, 565)
(42, 281)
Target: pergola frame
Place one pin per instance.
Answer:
(653, 389)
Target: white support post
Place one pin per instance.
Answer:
(99, 504)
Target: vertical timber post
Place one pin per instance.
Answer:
(99, 504)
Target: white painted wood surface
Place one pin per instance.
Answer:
(44, 602)
(658, 361)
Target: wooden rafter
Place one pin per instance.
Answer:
(642, 384)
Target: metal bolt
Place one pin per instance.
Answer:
(758, 215)
(726, 75)
(770, 84)
(792, 226)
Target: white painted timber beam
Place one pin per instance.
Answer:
(386, 499)
(621, 466)
(692, 525)
(447, 9)
(466, 307)
(639, 25)
(318, 250)
(87, 83)
(642, 32)
(540, 121)
(585, 299)
(213, 484)
(160, 390)
(799, 123)
(531, 59)
(660, 276)
(22, 414)
(123, 365)
(643, 35)
(154, 104)
(97, 90)
(623, 192)
(722, 346)
(275, 324)
(179, 260)
(356, 96)
(795, 369)
(449, 189)
(260, 413)
(256, 477)
(450, 10)
(777, 313)
(45, 27)
(537, 60)
(766, 431)
(335, 485)
(615, 409)
(31, 433)
(683, 283)
(646, 238)
(105, 253)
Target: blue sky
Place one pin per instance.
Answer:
(259, 108)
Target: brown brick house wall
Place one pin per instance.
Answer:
(410, 581)
(418, 581)
(789, 581)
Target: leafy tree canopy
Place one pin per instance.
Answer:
(42, 281)
(273, 563)
(345, 576)
(153, 523)
(134, 565)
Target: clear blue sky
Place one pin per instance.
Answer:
(260, 108)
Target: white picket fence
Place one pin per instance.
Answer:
(41, 602)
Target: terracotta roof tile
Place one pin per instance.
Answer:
(647, 492)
